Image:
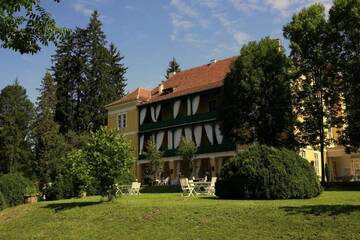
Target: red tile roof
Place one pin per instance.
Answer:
(188, 81)
(139, 94)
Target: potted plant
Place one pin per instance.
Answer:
(31, 195)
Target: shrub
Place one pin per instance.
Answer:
(263, 172)
(2, 202)
(14, 187)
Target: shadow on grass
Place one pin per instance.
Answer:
(321, 210)
(69, 205)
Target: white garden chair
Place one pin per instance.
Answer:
(186, 187)
(135, 188)
(211, 189)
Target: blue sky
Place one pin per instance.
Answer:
(149, 33)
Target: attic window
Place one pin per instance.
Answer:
(167, 91)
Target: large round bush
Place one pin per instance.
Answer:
(263, 172)
(14, 187)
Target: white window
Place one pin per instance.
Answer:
(303, 153)
(122, 120)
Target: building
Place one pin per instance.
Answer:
(185, 106)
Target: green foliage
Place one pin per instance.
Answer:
(173, 67)
(156, 161)
(3, 203)
(88, 76)
(317, 92)
(187, 151)
(256, 101)
(16, 112)
(49, 144)
(14, 187)
(263, 172)
(110, 156)
(344, 17)
(25, 26)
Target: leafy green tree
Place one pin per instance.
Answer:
(317, 90)
(16, 113)
(49, 144)
(155, 157)
(173, 67)
(344, 18)
(25, 26)
(256, 97)
(109, 155)
(187, 151)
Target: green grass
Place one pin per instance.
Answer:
(333, 215)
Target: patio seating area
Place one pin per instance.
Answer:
(133, 189)
(197, 187)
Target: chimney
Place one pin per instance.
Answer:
(171, 74)
(161, 88)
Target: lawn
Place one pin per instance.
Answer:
(333, 215)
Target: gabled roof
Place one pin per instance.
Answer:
(188, 81)
(139, 94)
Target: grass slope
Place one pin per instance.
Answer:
(333, 215)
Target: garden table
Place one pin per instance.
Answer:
(123, 189)
(201, 187)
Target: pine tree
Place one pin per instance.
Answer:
(116, 74)
(173, 67)
(48, 142)
(16, 113)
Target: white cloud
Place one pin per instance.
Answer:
(83, 9)
(86, 8)
(241, 37)
(183, 8)
(179, 21)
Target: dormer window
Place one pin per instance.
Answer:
(122, 120)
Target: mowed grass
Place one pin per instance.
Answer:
(333, 215)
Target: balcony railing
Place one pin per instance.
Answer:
(181, 120)
(224, 147)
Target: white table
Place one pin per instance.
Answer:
(201, 187)
(123, 189)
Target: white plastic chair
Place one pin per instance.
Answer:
(135, 188)
(187, 189)
(211, 189)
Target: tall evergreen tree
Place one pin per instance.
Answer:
(87, 76)
(344, 18)
(16, 113)
(317, 89)
(48, 141)
(173, 67)
(256, 102)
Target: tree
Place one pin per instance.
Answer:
(344, 17)
(49, 144)
(317, 90)
(109, 156)
(16, 113)
(88, 76)
(187, 151)
(25, 26)
(173, 67)
(155, 157)
(256, 97)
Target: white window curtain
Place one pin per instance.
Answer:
(188, 106)
(219, 136)
(198, 134)
(142, 115)
(195, 104)
(197, 167)
(153, 115)
(159, 139)
(141, 147)
(177, 137)
(176, 108)
(209, 133)
(170, 139)
(158, 109)
(188, 133)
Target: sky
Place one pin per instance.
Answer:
(149, 33)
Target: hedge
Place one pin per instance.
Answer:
(14, 187)
(2, 202)
(263, 172)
